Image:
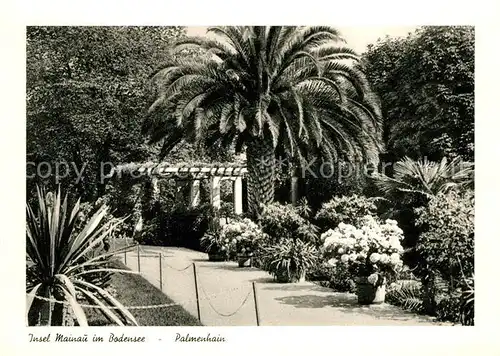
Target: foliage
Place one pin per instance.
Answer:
(426, 84)
(467, 302)
(284, 221)
(425, 179)
(183, 227)
(241, 236)
(413, 184)
(303, 208)
(86, 92)
(406, 294)
(65, 264)
(289, 259)
(271, 90)
(446, 245)
(371, 250)
(336, 277)
(214, 243)
(345, 209)
(448, 308)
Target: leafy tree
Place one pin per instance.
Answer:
(268, 89)
(426, 85)
(87, 91)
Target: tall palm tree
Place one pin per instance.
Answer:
(295, 88)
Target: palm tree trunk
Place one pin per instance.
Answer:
(261, 174)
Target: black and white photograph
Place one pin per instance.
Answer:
(250, 176)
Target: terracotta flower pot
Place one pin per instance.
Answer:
(294, 278)
(244, 261)
(216, 257)
(368, 293)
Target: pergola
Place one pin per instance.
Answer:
(194, 173)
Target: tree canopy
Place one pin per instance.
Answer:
(426, 85)
(87, 90)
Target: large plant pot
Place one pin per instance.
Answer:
(368, 293)
(216, 257)
(294, 278)
(245, 261)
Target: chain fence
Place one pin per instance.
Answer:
(198, 286)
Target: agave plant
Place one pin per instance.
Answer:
(425, 178)
(65, 266)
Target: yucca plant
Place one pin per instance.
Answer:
(66, 266)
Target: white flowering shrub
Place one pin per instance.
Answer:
(370, 250)
(241, 236)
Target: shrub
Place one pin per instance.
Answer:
(336, 277)
(183, 227)
(345, 209)
(289, 260)
(446, 245)
(372, 250)
(241, 236)
(284, 222)
(448, 308)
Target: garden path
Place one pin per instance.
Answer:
(227, 286)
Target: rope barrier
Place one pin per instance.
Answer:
(166, 264)
(206, 297)
(179, 270)
(132, 307)
(225, 314)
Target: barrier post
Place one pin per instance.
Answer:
(196, 290)
(138, 259)
(256, 305)
(161, 272)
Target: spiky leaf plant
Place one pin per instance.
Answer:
(413, 179)
(66, 265)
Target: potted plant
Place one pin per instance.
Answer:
(289, 260)
(371, 252)
(213, 243)
(243, 237)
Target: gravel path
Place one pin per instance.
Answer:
(228, 286)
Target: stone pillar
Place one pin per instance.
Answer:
(294, 190)
(238, 195)
(215, 192)
(194, 196)
(155, 194)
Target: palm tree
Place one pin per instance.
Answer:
(425, 179)
(298, 89)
